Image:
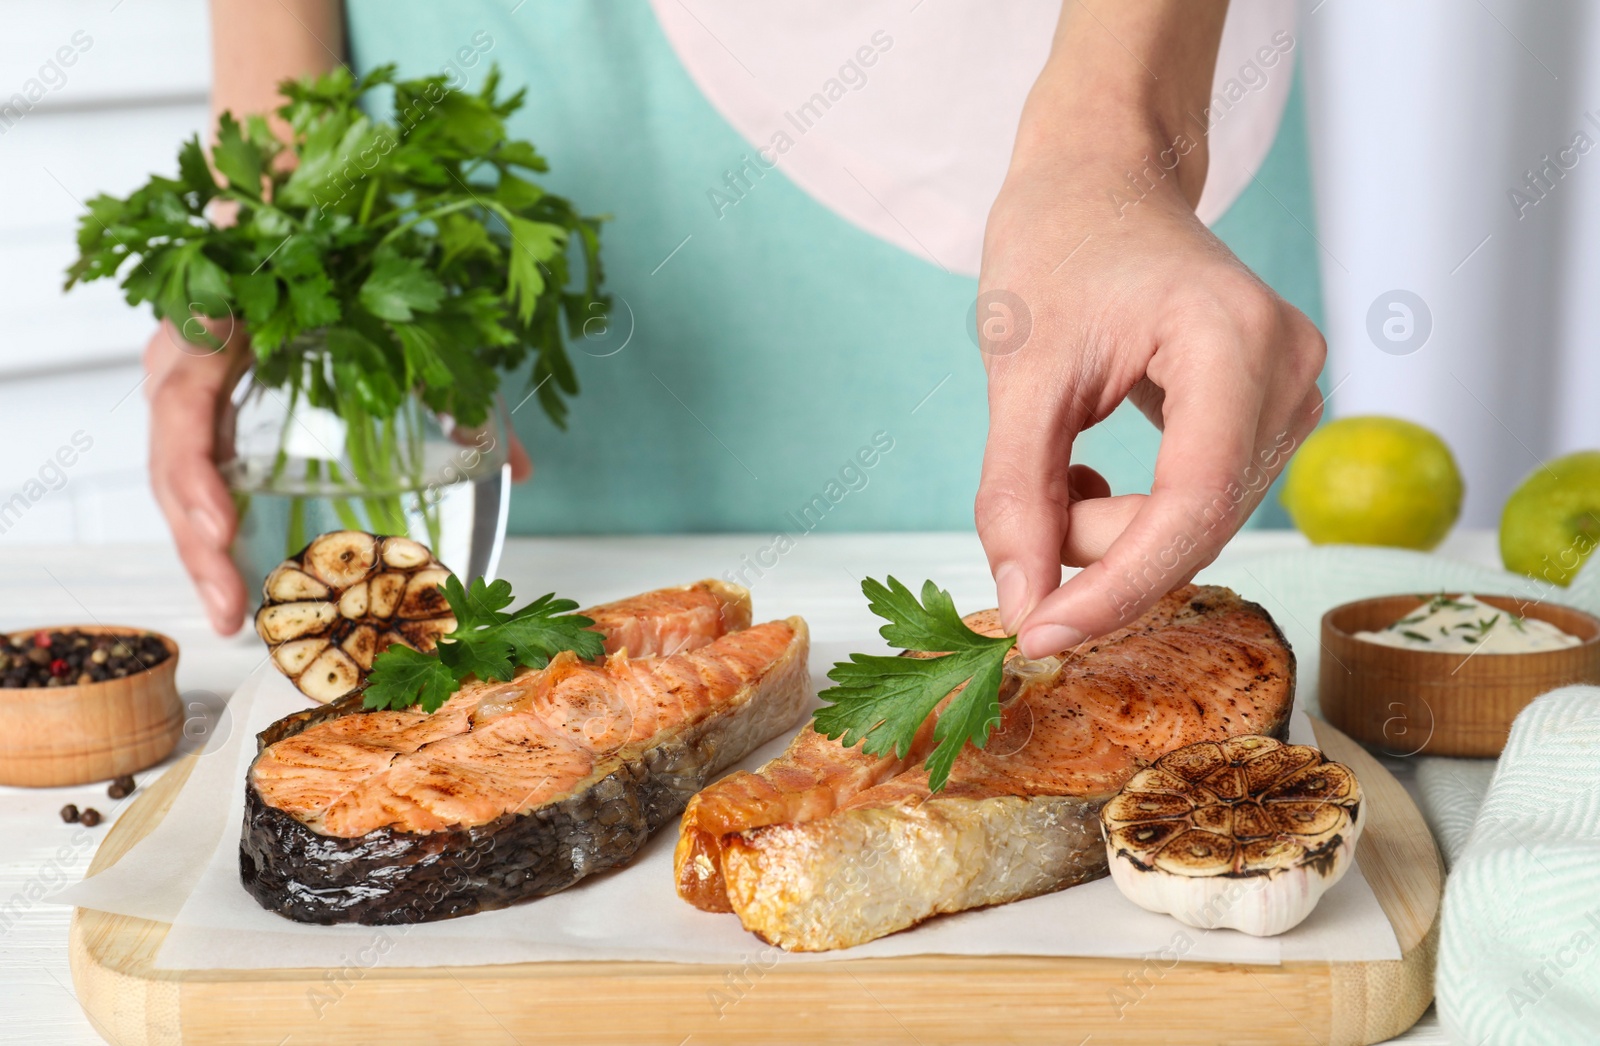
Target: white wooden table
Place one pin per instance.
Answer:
(144, 585)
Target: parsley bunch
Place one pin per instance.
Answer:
(414, 249)
(882, 701)
(487, 642)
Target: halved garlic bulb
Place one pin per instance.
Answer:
(327, 612)
(1246, 833)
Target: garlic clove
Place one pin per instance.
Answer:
(281, 622)
(384, 592)
(293, 656)
(330, 676)
(286, 584)
(353, 604)
(422, 597)
(405, 554)
(361, 645)
(340, 558)
(1277, 763)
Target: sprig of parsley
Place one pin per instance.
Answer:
(882, 701)
(487, 642)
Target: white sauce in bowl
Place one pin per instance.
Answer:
(1465, 625)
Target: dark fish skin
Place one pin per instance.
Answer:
(388, 877)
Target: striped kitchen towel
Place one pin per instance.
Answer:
(1519, 952)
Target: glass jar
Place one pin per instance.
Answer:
(296, 470)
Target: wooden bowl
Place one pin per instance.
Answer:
(1437, 702)
(64, 735)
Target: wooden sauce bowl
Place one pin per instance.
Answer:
(1437, 702)
(65, 735)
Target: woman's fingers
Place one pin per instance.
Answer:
(1022, 520)
(1095, 525)
(1196, 502)
(1239, 395)
(191, 493)
(1085, 484)
(1025, 491)
(521, 463)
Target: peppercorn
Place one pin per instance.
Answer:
(75, 657)
(69, 813)
(121, 788)
(90, 817)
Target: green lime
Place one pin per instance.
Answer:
(1373, 481)
(1552, 521)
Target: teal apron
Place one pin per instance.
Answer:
(770, 368)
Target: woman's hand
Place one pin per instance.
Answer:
(184, 382)
(185, 385)
(1127, 296)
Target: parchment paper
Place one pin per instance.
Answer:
(629, 914)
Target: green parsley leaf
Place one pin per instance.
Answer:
(469, 122)
(881, 702)
(483, 654)
(314, 305)
(193, 172)
(488, 642)
(479, 605)
(547, 626)
(932, 626)
(206, 283)
(421, 350)
(517, 193)
(271, 335)
(522, 154)
(298, 255)
(974, 712)
(334, 152)
(531, 243)
(397, 287)
(257, 294)
(237, 159)
(402, 677)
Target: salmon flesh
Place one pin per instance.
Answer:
(828, 847)
(517, 789)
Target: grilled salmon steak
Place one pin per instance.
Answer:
(517, 789)
(827, 847)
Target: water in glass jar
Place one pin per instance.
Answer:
(463, 521)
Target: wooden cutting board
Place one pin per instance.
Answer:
(922, 1000)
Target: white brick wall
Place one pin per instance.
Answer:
(108, 91)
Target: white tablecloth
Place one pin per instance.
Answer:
(144, 585)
